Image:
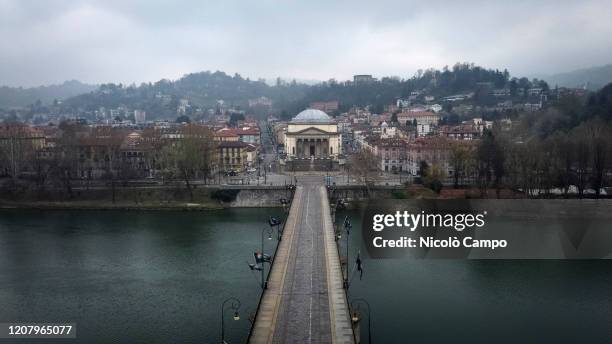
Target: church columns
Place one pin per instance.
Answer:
(302, 145)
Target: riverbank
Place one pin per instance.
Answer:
(111, 206)
(162, 198)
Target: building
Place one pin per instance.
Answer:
(403, 103)
(312, 134)
(424, 129)
(434, 107)
(226, 134)
(16, 142)
(140, 116)
(421, 117)
(329, 106)
(433, 150)
(261, 101)
(363, 78)
(249, 135)
(233, 155)
(460, 132)
(243, 134)
(501, 92)
(391, 153)
(136, 155)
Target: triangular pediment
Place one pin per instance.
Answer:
(313, 131)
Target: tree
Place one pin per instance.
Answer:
(234, 118)
(65, 156)
(583, 152)
(194, 155)
(460, 155)
(484, 158)
(491, 161)
(394, 118)
(363, 163)
(433, 178)
(597, 133)
(17, 148)
(423, 168)
(564, 154)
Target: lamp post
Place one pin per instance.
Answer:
(235, 305)
(273, 221)
(355, 316)
(284, 202)
(264, 284)
(347, 227)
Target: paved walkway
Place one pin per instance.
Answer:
(305, 301)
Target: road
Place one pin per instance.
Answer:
(305, 301)
(304, 308)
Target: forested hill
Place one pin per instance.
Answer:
(205, 89)
(593, 78)
(20, 97)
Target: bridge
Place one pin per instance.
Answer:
(305, 301)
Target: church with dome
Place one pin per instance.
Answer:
(312, 136)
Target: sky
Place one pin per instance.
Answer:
(48, 42)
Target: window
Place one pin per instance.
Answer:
(331, 150)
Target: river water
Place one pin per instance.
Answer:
(160, 277)
(482, 301)
(132, 277)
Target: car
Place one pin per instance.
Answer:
(252, 170)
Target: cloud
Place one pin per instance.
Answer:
(136, 41)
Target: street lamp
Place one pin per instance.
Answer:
(273, 221)
(347, 227)
(262, 258)
(355, 317)
(284, 202)
(235, 305)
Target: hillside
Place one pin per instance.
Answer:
(205, 90)
(12, 97)
(594, 77)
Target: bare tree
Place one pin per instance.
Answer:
(597, 132)
(460, 156)
(363, 163)
(583, 153)
(195, 154)
(564, 155)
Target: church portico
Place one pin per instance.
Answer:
(308, 147)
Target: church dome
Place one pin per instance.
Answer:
(311, 116)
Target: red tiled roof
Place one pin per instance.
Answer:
(232, 144)
(228, 132)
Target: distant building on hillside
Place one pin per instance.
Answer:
(363, 78)
(403, 103)
(140, 116)
(421, 117)
(329, 106)
(261, 101)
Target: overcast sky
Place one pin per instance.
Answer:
(45, 42)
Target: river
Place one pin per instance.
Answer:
(135, 277)
(160, 277)
(482, 301)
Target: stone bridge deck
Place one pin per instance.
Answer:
(305, 301)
